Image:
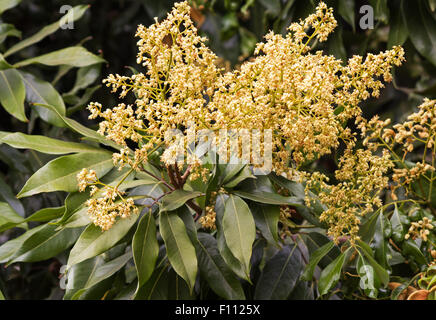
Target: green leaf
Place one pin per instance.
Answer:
(7, 195)
(239, 230)
(280, 274)
(368, 279)
(145, 248)
(410, 248)
(93, 241)
(380, 244)
(8, 217)
(234, 264)
(315, 241)
(79, 128)
(45, 243)
(331, 274)
(346, 10)
(46, 214)
(2, 297)
(156, 287)
(381, 10)
(422, 28)
(12, 93)
(269, 198)
(398, 32)
(315, 258)
(9, 248)
(178, 198)
(397, 227)
(44, 144)
(215, 271)
(266, 218)
(60, 174)
(245, 173)
(230, 171)
(8, 4)
(77, 13)
(8, 30)
(102, 272)
(76, 56)
(85, 77)
(180, 251)
(381, 272)
(39, 91)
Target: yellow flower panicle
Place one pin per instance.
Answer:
(104, 210)
(303, 97)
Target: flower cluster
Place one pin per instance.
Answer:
(417, 134)
(420, 229)
(361, 179)
(104, 210)
(305, 99)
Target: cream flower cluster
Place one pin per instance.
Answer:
(104, 210)
(305, 98)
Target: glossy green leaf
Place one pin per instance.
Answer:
(239, 230)
(9, 248)
(8, 30)
(44, 144)
(381, 272)
(280, 274)
(46, 214)
(215, 271)
(346, 10)
(266, 218)
(39, 91)
(245, 173)
(45, 243)
(86, 76)
(8, 4)
(8, 217)
(180, 251)
(331, 274)
(145, 248)
(368, 278)
(94, 241)
(398, 32)
(397, 227)
(315, 258)
(77, 13)
(268, 198)
(178, 198)
(61, 173)
(234, 264)
(12, 93)
(102, 272)
(73, 56)
(8, 196)
(410, 248)
(422, 28)
(380, 244)
(79, 128)
(156, 288)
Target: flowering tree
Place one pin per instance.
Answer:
(211, 179)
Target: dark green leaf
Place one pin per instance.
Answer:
(239, 230)
(280, 274)
(60, 173)
(215, 271)
(180, 251)
(145, 248)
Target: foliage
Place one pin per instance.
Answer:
(136, 225)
